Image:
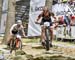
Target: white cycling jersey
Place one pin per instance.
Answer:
(18, 28)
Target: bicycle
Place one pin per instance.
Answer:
(47, 34)
(15, 43)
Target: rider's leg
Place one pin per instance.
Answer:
(9, 40)
(18, 39)
(43, 33)
(18, 36)
(51, 34)
(43, 36)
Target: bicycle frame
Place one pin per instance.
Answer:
(14, 43)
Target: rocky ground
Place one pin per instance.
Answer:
(32, 50)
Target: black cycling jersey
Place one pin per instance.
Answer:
(46, 19)
(14, 31)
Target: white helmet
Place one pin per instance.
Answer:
(19, 22)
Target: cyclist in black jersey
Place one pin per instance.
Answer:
(46, 17)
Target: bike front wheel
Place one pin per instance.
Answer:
(19, 44)
(47, 44)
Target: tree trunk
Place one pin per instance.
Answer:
(0, 10)
(49, 4)
(10, 19)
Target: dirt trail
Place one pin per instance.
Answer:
(33, 51)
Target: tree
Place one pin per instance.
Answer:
(0, 10)
(49, 3)
(10, 19)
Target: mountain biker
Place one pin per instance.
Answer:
(46, 17)
(15, 30)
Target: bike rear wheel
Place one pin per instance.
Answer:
(12, 45)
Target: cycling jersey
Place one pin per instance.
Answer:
(15, 30)
(46, 17)
(46, 20)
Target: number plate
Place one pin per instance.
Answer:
(46, 24)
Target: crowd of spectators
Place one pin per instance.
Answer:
(67, 18)
(70, 2)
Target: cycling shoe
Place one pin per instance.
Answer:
(43, 43)
(51, 45)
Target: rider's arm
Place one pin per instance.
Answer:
(39, 16)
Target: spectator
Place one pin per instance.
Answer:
(67, 19)
(72, 20)
(61, 20)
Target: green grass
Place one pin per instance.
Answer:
(54, 42)
(66, 43)
(30, 40)
(37, 40)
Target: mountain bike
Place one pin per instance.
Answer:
(15, 43)
(47, 35)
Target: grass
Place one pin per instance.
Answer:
(54, 42)
(31, 40)
(65, 43)
(37, 40)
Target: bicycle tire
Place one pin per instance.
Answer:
(47, 39)
(11, 46)
(47, 45)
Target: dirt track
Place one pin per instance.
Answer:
(34, 50)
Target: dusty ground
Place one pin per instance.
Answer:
(32, 50)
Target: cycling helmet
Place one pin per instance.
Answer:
(19, 22)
